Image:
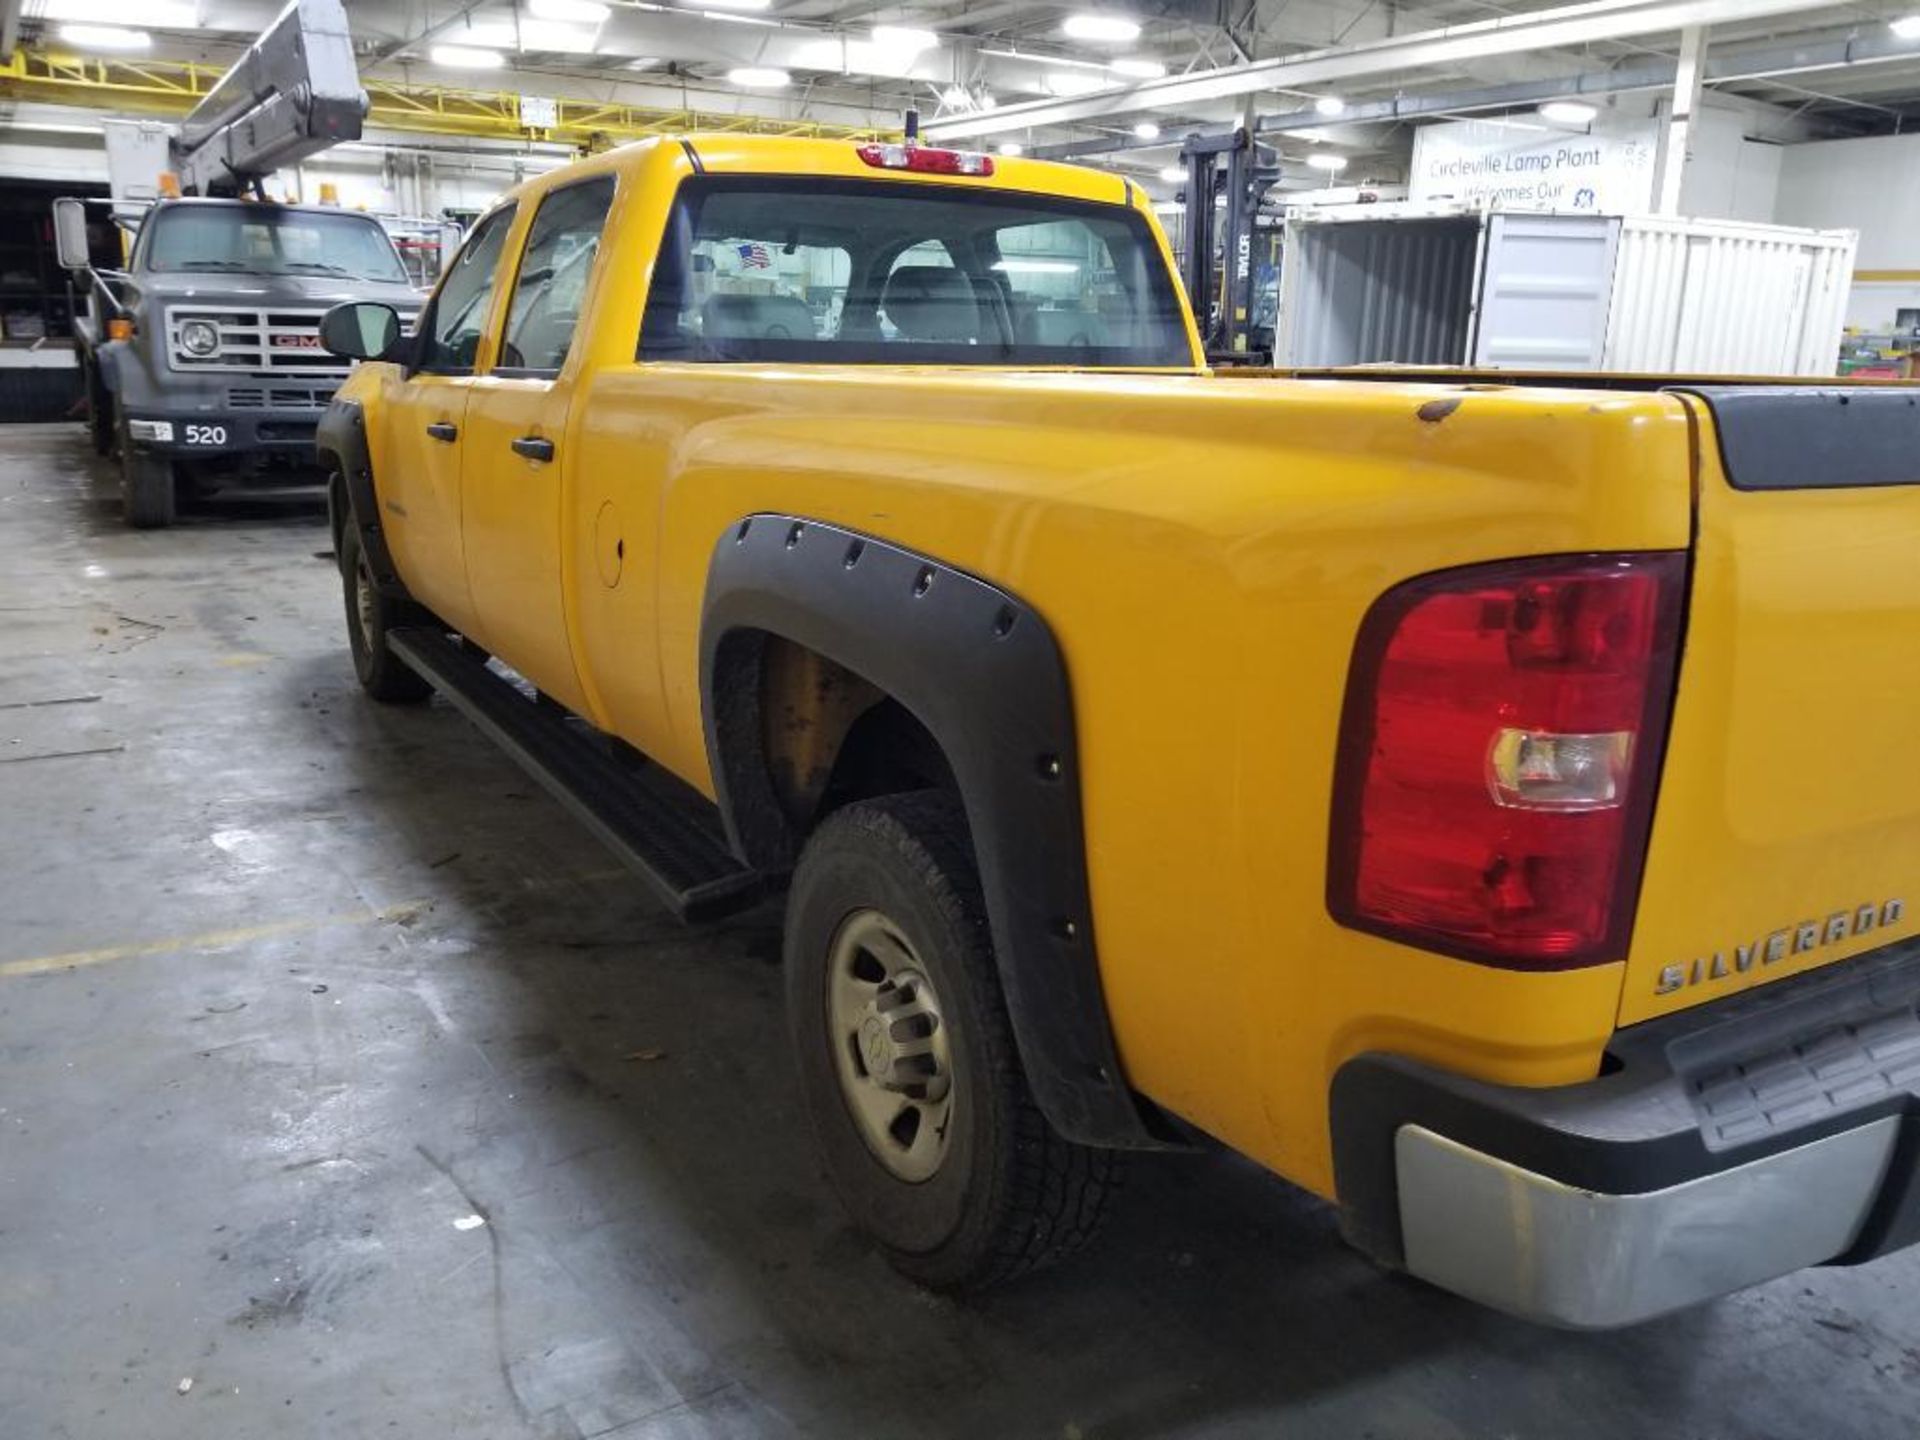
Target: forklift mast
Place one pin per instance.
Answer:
(1242, 170)
(294, 93)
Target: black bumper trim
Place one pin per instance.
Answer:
(248, 433)
(1641, 1126)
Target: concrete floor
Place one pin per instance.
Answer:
(294, 987)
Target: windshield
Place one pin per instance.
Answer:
(260, 240)
(864, 272)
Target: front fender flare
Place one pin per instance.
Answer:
(340, 441)
(982, 672)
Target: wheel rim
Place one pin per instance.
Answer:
(365, 602)
(890, 1046)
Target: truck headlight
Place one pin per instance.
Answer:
(200, 338)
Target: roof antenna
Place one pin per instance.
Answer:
(913, 126)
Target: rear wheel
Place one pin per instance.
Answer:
(907, 1058)
(149, 487)
(383, 674)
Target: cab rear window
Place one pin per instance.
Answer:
(853, 272)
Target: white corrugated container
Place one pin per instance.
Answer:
(1724, 297)
(1444, 285)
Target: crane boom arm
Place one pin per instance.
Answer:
(294, 93)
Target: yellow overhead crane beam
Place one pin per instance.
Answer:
(169, 89)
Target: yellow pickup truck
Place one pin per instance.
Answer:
(1491, 806)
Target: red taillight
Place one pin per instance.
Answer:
(920, 157)
(1498, 757)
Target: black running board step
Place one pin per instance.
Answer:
(690, 869)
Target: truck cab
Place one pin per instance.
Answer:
(202, 359)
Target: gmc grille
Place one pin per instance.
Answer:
(279, 397)
(254, 341)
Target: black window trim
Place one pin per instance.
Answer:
(542, 372)
(423, 327)
(891, 352)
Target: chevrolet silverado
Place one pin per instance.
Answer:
(1491, 805)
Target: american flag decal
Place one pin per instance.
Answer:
(753, 256)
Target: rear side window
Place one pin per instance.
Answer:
(863, 272)
(453, 327)
(554, 269)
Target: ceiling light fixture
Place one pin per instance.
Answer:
(466, 57)
(732, 5)
(758, 77)
(574, 12)
(1174, 174)
(1324, 160)
(1907, 27)
(1139, 69)
(1103, 29)
(1012, 147)
(160, 14)
(105, 37)
(1146, 130)
(1568, 112)
(1330, 106)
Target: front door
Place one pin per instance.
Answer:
(515, 444)
(417, 466)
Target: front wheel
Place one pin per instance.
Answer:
(907, 1060)
(383, 674)
(148, 487)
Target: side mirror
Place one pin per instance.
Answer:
(70, 235)
(361, 330)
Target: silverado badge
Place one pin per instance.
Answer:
(1773, 948)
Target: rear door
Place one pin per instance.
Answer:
(515, 441)
(1546, 282)
(423, 410)
(1787, 830)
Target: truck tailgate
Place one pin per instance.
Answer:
(1787, 832)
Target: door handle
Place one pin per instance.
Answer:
(441, 430)
(533, 447)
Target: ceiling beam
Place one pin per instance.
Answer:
(1570, 25)
(1730, 67)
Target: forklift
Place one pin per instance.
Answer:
(1230, 252)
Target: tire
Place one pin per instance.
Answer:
(890, 885)
(383, 674)
(148, 487)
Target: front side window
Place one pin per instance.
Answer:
(863, 272)
(265, 240)
(553, 277)
(458, 317)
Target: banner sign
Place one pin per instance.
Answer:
(1526, 165)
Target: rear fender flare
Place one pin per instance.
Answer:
(982, 672)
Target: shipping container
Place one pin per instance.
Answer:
(1427, 285)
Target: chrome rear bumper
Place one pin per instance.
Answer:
(1724, 1146)
(1534, 1247)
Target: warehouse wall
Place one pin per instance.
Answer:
(1865, 185)
(1731, 175)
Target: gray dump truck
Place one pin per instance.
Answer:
(201, 356)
